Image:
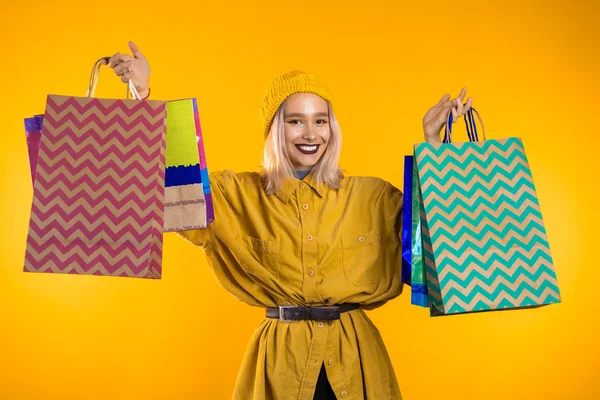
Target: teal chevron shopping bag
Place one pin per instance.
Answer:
(484, 241)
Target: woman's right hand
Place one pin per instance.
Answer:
(135, 68)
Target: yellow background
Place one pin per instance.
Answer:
(532, 69)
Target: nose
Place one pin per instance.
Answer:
(309, 134)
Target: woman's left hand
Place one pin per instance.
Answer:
(436, 117)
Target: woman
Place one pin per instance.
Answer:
(312, 246)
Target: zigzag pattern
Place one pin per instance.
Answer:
(481, 302)
(99, 189)
(486, 265)
(504, 153)
(117, 122)
(81, 107)
(476, 181)
(503, 217)
(488, 242)
(464, 207)
(486, 246)
(113, 144)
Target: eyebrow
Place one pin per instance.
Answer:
(320, 114)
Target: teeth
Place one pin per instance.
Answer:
(308, 148)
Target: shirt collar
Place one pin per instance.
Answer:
(293, 183)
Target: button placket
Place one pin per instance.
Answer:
(308, 242)
(332, 362)
(316, 357)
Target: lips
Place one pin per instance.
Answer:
(307, 148)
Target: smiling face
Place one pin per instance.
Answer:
(307, 132)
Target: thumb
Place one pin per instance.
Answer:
(136, 51)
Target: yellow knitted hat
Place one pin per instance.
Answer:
(285, 85)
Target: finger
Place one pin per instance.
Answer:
(113, 60)
(122, 68)
(459, 108)
(443, 111)
(444, 99)
(447, 105)
(462, 94)
(119, 69)
(469, 104)
(136, 51)
(104, 60)
(126, 57)
(127, 77)
(454, 114)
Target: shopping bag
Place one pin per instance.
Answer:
(412, 258)
(188, 201)
(186, 186)
(210, 213)
(407, 220)
(99, 188)
(33, 131)
(419, 295)
(484, 240)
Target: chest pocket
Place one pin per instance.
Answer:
(256, 256)
(361, 257)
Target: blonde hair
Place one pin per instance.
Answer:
(277, 166)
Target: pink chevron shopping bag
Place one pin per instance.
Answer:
(99, 188)
(484, 241)
(188, 200)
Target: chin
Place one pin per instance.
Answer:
(304, 161)
(307, 164)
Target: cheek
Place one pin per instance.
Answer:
(291, 134)
(326, 136)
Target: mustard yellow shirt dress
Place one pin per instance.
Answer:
(308, 246)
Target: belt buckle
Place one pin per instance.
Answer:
(282, 313)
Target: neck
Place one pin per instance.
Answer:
(301, 173)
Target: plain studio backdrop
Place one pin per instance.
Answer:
(532, 69)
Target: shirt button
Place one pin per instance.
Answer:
(320, 324)
(305, 206)
(311, 272)
(302, 185)
(330, 362)
(361, 239)
(344, 394)
(309, 238)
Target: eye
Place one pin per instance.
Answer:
(293, 121)
(324, 121)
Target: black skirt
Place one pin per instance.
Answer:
(323, 390)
